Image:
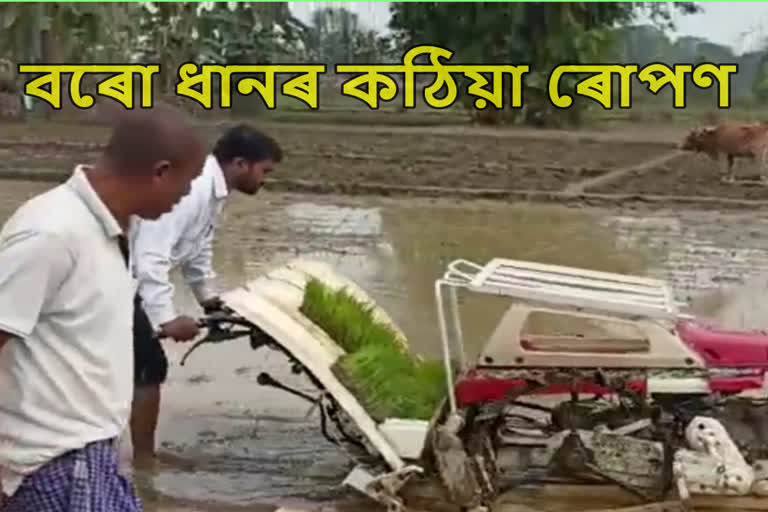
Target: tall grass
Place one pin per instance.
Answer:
(384, 376)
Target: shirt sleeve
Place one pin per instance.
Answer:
(198, 271)
(33, 266)
(151, 256)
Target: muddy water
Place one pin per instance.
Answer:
(247, 444)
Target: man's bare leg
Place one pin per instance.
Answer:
(144, 415)
(145, 412)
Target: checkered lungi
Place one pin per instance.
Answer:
(84, 480)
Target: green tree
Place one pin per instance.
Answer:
(169, 38)
(246, 33)
(639, 44)
(65, 32)
(249, 33)
(10, 97)
(760, 82)
(542, 35)
(62, 32)
(336, 36)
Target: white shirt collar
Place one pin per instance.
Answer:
(79, 183)
(220, 188)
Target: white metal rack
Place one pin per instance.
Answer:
(601, 293)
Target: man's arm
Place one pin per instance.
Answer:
(152, 246)
(33, 265)
(151, 256)
(198, 271)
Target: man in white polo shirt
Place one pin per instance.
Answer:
(66, 309)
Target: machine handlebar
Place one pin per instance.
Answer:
(222, 325)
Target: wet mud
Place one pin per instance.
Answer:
(580, 168)
(483, 162)
(404, 158)
(693, 175)
(249, 445)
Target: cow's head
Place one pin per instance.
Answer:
(698, 138)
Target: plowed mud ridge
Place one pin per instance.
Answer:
(621, 167)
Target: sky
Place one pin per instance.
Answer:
(741, 25)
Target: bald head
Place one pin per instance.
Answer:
(142, 139)
(150, 162)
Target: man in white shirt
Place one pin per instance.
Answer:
(66, 299)
(184, 237)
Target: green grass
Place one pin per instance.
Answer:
(377, 368)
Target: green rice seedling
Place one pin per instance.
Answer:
(388, 384)
(346, 320)
(388, 381)
(431, 383)
(377, 375)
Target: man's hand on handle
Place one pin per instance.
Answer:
(212, 305)
(181, 328)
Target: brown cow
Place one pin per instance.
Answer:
(747, 140)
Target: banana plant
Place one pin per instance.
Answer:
(248, 33)
(60, 32)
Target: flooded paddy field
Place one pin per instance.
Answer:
(247, 445)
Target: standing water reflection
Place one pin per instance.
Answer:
(253, 444)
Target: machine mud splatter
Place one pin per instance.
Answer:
(636, 393)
